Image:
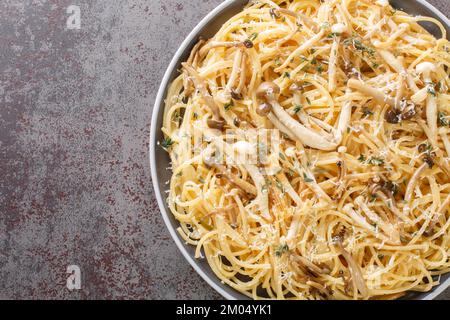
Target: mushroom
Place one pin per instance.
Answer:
(385, 191)
(412, 183)
(217, 121)
(300, 17)
(269, 91)
(285, 39)
(280, 126)
(301, 49)
(398, 66)
(359, 283)
(242, 184)
(420, 95)
(227, 94)
(442, 209)
(387, 228)
(225, 44)
(337, 29)
(443, 163)
(425, 68)
(371, 91)
(187, 83)
(401, 29)
(394, 114)
(296, 90)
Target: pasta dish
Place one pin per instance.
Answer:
(310, 151)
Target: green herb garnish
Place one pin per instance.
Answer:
(229, 105)
(253, 36)
(167, 143)
(307, 100)
(307, 179)
(376, 161)
(358, 45)
(333, 35)
(443, 119)
(281, 249)
(298, 108)
(367, 112)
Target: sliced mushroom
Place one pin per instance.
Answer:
(362, 222)
(308, 266)
(375, 28)
(243, 73)
(442, 209)
(398, 66)
(264, 109)
(385, 191)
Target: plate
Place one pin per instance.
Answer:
(159, 159)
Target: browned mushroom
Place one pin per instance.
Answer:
(268, 92)
(359, 283)
(242, 184)
(386, 190)
(308, 266)
(264, 109)
(187, 83)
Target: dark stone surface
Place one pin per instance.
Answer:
(75, 184)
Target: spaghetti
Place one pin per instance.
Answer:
(359, 205)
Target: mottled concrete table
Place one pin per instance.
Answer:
(75, 183)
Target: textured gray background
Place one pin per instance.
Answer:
(75, 187)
